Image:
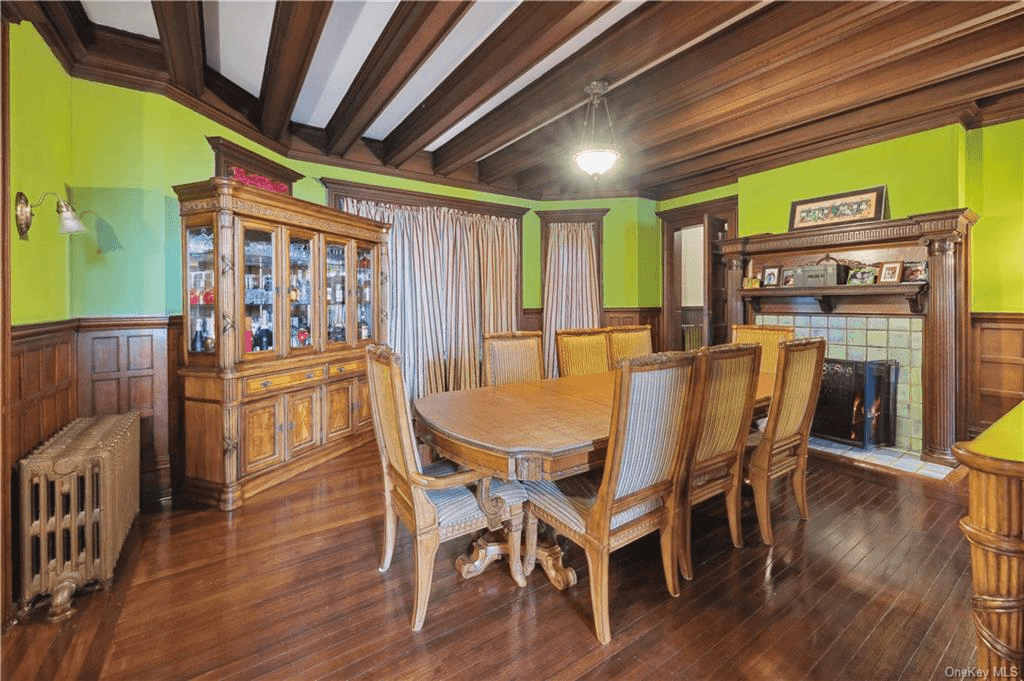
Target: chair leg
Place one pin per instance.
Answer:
(426, 548)
(390, 527)
(530, 559)
(761, 483)
(732, 505)
(683, 531)
(800, 487)
(668, 559)
(597, 562)
(515, 539)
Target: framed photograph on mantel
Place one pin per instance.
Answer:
(863, 205)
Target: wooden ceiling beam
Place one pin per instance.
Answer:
(644, 38)
(293, 39)
(181, 34)
(411, 36)
(530, 33)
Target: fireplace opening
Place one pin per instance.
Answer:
(857, 402)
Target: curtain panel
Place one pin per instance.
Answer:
(453, 279)
(572, 290)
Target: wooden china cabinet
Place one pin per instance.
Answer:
(280, 297)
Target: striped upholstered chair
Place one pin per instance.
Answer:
(626, 342)
(714, 463)
(582, 351)
(782, 448)
(638, 492)
(514, 357)
(433, 502)
(768, 337)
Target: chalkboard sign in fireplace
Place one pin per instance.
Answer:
(857, 402)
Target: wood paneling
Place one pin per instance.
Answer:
(43, 384)
(997, 367)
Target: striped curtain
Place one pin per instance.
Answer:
(572, 292)
(452, 279)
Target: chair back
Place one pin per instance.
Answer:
(389, 406)
(652, 415)
(730, 375)
(582, 351)
(514, 357)
(796, 394)
(626, 342)
(768, 337)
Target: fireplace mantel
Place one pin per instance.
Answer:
(942, 238)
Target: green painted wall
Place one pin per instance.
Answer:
(40, 110)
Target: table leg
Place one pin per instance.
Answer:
(549, 555)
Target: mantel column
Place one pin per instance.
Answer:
(941, 348)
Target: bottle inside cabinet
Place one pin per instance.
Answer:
(260, 288)
(335, 293)
(364, 293)
(299, 291)
(202, 290)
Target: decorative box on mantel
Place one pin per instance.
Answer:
(941, 238)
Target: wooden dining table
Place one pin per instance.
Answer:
(538, 430)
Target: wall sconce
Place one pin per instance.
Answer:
(69, 221)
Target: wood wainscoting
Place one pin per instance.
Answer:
(997, 367)
(533, 319)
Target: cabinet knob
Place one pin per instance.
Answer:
(266, 384)
(310, 374)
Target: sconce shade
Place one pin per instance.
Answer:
(69, 221)
(597, 151)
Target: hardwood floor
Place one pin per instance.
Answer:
(876, 585)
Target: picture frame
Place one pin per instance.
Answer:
(770, 276)
(862, 276)
(788, 277)
(890, 272)
(751, 282)
(862, 205)
(915, 271)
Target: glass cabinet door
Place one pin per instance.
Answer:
(201, 287)
(364, 293)
(300, 291)
(336, 283)
(259, 287)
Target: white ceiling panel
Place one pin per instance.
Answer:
(351, 31)
(567, 49)
(237, 38)
(133, 16)
(474, 27)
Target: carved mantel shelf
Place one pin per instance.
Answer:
(943, 239)
(825, 295)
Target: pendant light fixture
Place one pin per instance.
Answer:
(597, 151)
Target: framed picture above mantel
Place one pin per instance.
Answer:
(862, 205)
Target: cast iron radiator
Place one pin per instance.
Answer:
(79, 497)
(857, 402)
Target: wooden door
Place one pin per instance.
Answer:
(261, 431)
(339, 408)
(303, 425)
(363, 415)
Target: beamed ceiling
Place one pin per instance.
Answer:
(489, 94)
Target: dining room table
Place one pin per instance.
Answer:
(537, 430)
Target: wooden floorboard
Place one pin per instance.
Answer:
(876, 585)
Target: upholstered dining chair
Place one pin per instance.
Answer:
(433, 502)
(768, 337)
(638, 491)
(714, 462)
(626, 342)
(513, 357)
(782, 448)
(582, 351)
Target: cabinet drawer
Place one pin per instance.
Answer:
(347, 368)
(262, 384)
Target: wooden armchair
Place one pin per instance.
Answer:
(768, 337)
(582, 351)
(514, 357)
(782, 448)
(627, 342)
(435, 504)
(638, 493)
(714, 463)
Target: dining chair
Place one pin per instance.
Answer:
(513, 357)
(714, 462)
(768, 337)
(782, 448)
(627, 342)
(582, 351)
(433, 502)
(637, 493)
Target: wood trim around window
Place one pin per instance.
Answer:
(595, 215)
